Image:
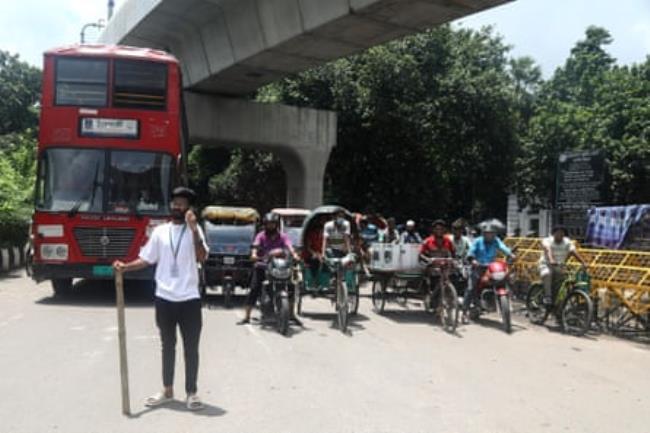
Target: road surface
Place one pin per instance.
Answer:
(394, 373)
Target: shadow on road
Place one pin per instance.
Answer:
(179, 406)
(101, 293)
(353, 324)
(12, 275)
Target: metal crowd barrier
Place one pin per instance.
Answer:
(620, 282)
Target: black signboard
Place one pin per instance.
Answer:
(581, 180)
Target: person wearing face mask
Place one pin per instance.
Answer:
(266, 241)
(175, 248)
(336, 236)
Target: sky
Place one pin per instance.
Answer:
(543, 29)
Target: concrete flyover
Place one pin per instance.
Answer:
(232, 47)
(301, 137)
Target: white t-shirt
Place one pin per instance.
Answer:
(334, 236)
(559, 250)
(158, 250)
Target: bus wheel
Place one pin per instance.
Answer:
(62, 286)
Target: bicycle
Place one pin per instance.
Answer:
(572, 305)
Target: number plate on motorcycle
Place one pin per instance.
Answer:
(228, 260)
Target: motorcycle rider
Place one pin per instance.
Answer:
(556, 250)
(266, 241)
(410, 235)
(482, 252)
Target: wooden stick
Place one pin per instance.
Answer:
(121, 332)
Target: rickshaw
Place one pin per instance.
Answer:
(335, 279)
(291, 223)
(398, 273)
(229, 232)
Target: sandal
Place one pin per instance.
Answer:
(157, 399)
(194, 402)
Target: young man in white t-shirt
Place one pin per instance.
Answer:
(337, 236)
(556, 250)
(176, 247)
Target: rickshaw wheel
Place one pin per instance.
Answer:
(379, 295)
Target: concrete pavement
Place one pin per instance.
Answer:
(394, 373)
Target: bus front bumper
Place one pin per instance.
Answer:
(50, 271)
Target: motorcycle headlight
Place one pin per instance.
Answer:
(498, 276)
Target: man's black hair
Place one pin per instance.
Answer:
(185, 192)
(439, 222)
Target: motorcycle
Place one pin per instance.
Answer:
(276, 288)
(494, 293)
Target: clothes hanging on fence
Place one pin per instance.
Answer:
(608, 226)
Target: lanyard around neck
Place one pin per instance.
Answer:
(178, 245)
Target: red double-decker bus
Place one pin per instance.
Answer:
(110, 149)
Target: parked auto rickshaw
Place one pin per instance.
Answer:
(332, 278)
(229, 232)
(291, 222)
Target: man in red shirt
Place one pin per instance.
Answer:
(437, 245)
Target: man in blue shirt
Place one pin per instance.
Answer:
(482, 252)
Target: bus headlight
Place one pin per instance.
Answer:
(54, 252)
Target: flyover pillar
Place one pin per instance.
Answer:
(302, 138)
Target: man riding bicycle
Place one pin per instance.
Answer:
(556, 250)
(337, 235)
(482, 253)
(266, 241)
(437, 245)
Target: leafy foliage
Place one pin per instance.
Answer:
(19, 92)
(20, 86)
(590, 103)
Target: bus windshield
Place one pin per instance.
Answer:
(104, 181)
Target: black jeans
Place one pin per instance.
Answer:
(187, 315)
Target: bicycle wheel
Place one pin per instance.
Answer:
(504, 304)
(535, 309)
(576, 313)
(341, 304)
(449, 307)
(379, 295)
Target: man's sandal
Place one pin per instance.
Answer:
(194, 402)
(157, 399)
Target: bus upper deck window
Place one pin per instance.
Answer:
(81, 82)
(140, 85)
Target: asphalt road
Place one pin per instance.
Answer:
(394, 373)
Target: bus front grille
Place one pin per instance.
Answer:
(104, 242)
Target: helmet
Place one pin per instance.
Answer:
(271, 217)
(490, 228)
(410, 223)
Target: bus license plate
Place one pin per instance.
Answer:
(102, 271)
(228, 260)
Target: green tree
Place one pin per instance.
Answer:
(20, 86)
(590, 103)
(422, 123)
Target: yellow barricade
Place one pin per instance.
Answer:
(617, 277)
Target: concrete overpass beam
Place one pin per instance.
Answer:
(301, 137)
